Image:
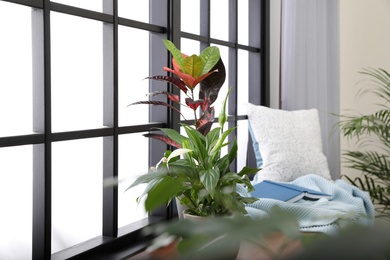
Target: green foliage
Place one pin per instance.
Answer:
(373, 137)
(198, 175)
(196, 172)
(194, 65)
(201, 179)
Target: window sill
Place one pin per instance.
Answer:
(130, 241)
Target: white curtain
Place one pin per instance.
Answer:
(310, 66)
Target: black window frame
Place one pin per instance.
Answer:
(128, 240)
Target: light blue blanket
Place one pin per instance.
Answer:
(348, 204)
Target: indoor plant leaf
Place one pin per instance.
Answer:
(197, 141)
(178, 152)
(176, 53)
(174, 135)
(148, 177)
(210, 86)
(212, 138)
(210, 57)
(162, 193)
(233, 151)
(164, 139)
(193, 66)
(172, 97)
(220, 141)
(175, 81)
(222, 118)
(156, 103)
(209, 178)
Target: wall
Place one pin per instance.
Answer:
(275, 16)
(364, 42)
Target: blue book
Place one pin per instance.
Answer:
(285, 192)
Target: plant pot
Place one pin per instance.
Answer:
(180, 208)
(219, 247)
(192, 217)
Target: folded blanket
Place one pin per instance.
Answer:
(348, 204)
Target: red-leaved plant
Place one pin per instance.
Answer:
(206, 69)
(201, 179)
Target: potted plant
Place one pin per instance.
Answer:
(372, 135)
(195, 171)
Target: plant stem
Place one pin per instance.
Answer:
(195, 117)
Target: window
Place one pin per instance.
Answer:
(68, 70)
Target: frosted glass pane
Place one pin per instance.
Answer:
(243, 22)
(15, 70)
(134, 10)
(16, 202)
(219, 19)
(133, 48)
(133, 161)
(94, 5)
(190, 16)
(243, 82)
(77, 181)
(77, 78)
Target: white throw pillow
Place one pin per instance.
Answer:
(289, 143)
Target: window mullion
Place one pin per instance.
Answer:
(233, 71)
(41, 124)
(157, 60)
(110, 119)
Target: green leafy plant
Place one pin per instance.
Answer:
(196, 172)
(373, 137)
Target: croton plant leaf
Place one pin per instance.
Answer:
(205, 122)
(189, 80)
(172, 97)
(174, 135)
(193, 104)
(210, 86)
(164, 139)
(176, 53)
(193, 66)
(173, 80)
(156, 103)
(210, 57)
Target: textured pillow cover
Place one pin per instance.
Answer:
(289, 143)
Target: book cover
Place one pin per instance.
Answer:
(285, 191)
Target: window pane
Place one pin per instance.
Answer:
(16, 202)
(15, 70)
(133, 161)
(189, 47)
(94, 5)
(224, 52)
(242, 141)
(134, 10)
(243, 22)
(219, 19)
(243, 82)
(190, 16)
(77, 81)
(133, 69)
(76, 192)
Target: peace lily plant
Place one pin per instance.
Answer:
(195, 171)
